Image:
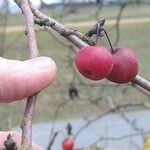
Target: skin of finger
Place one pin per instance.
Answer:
(22, 79)
(17, 138)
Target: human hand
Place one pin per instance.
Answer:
(20, 79)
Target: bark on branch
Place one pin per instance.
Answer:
(26, 125)
(58, 27)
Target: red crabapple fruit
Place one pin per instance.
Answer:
(94, 62)
(125, 66)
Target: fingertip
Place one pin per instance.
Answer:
(23, 79)
(40, 62)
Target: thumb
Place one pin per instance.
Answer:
(20, 79)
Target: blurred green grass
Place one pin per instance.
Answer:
(75, 14)
(135, 36)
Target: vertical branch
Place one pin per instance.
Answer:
(117, 25)
(30, 31)
(26, 125)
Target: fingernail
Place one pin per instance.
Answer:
(41, 62)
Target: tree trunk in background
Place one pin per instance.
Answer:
(4, 10)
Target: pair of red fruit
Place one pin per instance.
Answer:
(96, 63)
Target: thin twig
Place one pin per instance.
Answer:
(117, 25)
(58, 28)
(118, 138)
(52, 140)
(26, 125)
(115, 109)
(79, 43)
(55, 116)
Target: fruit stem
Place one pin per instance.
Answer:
(97, 33)
(112, 50)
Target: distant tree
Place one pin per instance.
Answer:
(99, 1)
(4, 10)
(63, 1)
(4, 7)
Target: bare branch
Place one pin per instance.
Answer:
(79, 43)
(55, 116)
(58, 28)
(31, 101)
(117, 25)
(142, 82)
(115, 109)
(52, 140)
(119, 138)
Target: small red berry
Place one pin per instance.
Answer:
(68, 144)
(125, 65)
(94, 62)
